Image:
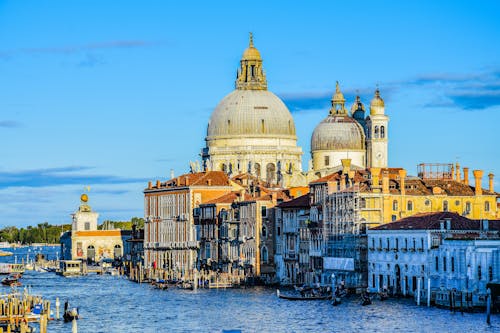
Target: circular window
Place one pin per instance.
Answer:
(427, 202)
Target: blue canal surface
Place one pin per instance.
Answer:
(113, 304)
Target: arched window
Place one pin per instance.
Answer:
(117, 251)
(395, 205)
(437, 264)
(382, 132)
(467, 207)
(270, 173)
(444, 264)
(445, 205)
(452, 264)
(257, 170)
(264, 255)
(262, 126)
(479, 275)
(486, 206)
(376, 132)
(409, 205)
(90, 254)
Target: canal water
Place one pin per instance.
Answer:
(113, 304)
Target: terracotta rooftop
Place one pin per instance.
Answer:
(228, 198)
(432, 221)
(300, 202)
(208, 178)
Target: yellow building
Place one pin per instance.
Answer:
(388, 194)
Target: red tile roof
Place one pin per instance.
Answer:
(208, 178)
(430, 221)
(300, 202)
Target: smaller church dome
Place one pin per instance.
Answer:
(336, 133)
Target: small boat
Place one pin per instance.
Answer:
(366, 301)
(383, 296)
(70, 315)
(160, 284)
(303, 298)
(11, 281)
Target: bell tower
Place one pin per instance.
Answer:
(377, 133)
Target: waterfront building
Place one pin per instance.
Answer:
(170, 245)
(252, 131)
(292, 244)
(443, 249)
(86, 242)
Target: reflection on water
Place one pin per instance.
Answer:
(113, 304)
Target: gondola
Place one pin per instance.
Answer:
(11, 281)
(303, 298)
(366, 301)
(70, 315)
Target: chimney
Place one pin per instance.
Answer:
(466, 176)
(342, 182)
(158, 184)
(209, 182)
(478, 174)
(491, 188)
(402, 181)
(452, 172)
(242, 194)
(346, 165)
(448, 223)
(457, 170)
(186, 179)
(274, 198)
(375, 174)
(150, 185)
(441, 224)
(385, 182)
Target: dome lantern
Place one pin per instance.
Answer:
(251, 75)
(338, 102)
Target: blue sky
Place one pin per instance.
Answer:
(111, 94)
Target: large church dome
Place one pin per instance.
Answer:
(251, 113)
(251, 129)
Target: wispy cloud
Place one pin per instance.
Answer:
(71, 175)
(9, 123)
(71, 49)
(91, 60)
(297, 102)
(472, 91)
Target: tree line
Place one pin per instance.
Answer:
(47, 233)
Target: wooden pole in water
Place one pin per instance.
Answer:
(488, 306)
(74, 326)
(428, 292)
(57, 308)
(419, 281)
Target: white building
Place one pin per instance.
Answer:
(442, 249)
